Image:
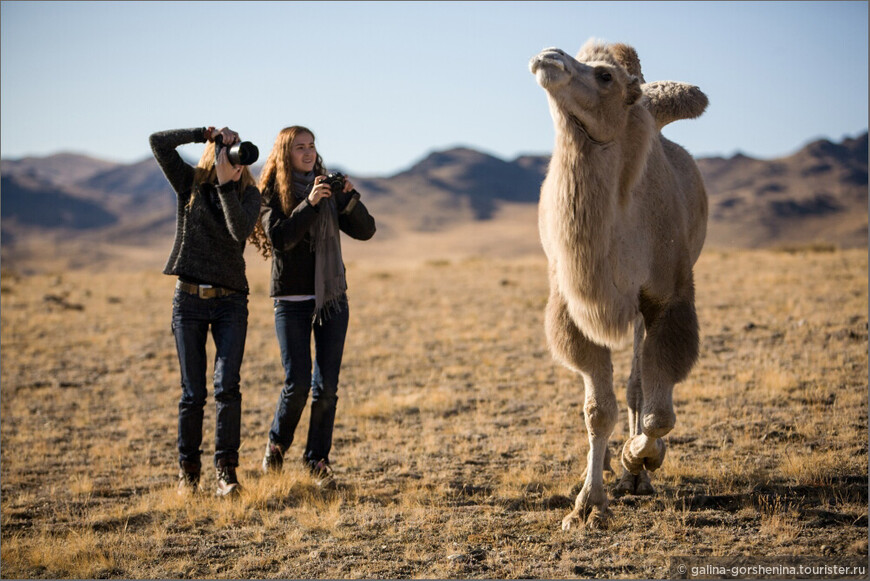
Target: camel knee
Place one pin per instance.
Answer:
(659, 424)
(657, 416)
(601, 417)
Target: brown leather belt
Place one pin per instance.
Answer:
(203, 291)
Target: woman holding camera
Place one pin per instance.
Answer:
(304, 212)
(218, 207)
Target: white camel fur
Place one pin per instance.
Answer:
(622, 219)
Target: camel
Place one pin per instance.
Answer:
(622, 219)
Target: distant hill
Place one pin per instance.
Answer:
(31, 203)
(140, 181)
(60, 169)
(451, 187)
(818, 194)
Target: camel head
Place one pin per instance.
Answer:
(593, 93)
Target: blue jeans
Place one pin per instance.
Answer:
(228, 318)
(293, 325)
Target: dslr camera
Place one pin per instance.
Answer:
(244, 153)
(335, 180)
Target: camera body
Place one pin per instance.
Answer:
(335, 181)
(244, 153)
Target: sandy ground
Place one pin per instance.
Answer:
(459, 442)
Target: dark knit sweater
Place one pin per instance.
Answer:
(293, 256)
(210, 235)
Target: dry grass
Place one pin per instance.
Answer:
(458, 439)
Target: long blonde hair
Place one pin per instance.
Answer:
(276, 179)
(205, 173)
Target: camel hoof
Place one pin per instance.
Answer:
(644, 488)
(626, 485)
(630, 462)
(638, 485)
(652, 462)
(598, 518)
(568, 521)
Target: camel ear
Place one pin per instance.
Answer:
(633, 91)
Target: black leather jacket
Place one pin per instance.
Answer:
(292, 251)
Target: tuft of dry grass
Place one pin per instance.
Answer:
(459, 443)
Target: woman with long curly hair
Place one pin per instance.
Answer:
(218, 204)
(303, 214)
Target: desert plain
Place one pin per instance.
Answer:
(459, 443)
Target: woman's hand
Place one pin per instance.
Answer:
(227, 172)
(348, 187)
(319, 191)
(229, 136)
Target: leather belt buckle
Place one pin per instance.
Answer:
(204, 291)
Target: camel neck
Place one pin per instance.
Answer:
(589, 179)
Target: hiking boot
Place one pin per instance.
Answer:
(324, 477)
(227, 482)
(273, 459)
(188, 479)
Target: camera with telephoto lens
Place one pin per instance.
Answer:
(244, 153)
(335, 181)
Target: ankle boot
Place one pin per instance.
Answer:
(227, 482)
(188, 478)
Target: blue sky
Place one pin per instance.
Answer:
(382, 84)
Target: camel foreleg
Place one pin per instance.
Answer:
(669, 352)
(593, 363)
(600, 413)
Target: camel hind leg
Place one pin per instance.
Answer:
(593, 363)
(635, 483)
(669, 353)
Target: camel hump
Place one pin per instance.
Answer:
(670, 101)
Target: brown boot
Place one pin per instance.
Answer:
(324, 478)
(188, 478)
(227, 482)
(273, 460)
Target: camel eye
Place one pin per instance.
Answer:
(604, 76)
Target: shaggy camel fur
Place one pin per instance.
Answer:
(622, 218)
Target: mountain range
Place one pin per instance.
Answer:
(63, 201)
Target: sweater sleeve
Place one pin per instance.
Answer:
(240, 212)
(176, 170)
(284, 232)
(357, 223)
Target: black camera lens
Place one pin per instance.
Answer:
(244, 153)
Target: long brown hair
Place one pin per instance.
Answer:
(276, 179)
